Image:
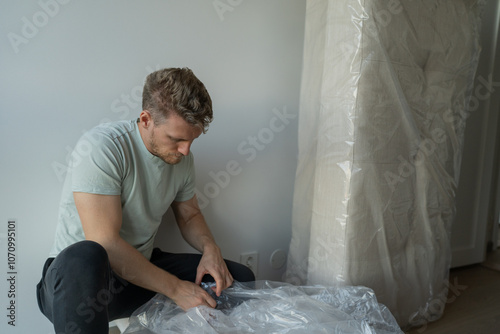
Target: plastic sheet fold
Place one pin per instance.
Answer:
(270, 307)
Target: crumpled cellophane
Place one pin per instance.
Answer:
(270, 307)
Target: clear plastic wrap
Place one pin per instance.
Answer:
(386, 90)
(270, 307)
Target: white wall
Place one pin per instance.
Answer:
(67, 65)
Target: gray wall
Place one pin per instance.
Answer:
(66, 65)
(478, 193)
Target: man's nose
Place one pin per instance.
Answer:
(184, 148)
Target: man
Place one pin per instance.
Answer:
(103, 265)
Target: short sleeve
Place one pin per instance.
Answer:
(186, 192)
(97, 165)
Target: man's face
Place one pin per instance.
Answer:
(172, 139)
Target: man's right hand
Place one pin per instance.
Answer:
(187, 295)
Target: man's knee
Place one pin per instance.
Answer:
(79, 271)
(84, 256)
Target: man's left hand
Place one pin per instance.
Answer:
(213, 264)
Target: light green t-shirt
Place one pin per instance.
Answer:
(111, 159)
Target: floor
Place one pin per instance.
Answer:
(473, 302)
(473, 305)
(114, 330)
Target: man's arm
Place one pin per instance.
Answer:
(195, 231)
(101, 217)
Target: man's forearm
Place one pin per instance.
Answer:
(131, 265)
(101, 221)
(196, 232)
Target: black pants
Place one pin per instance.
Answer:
(79, 293)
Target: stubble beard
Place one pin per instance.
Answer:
(168, 157)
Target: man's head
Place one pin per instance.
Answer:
(177, 90)
(176, 110)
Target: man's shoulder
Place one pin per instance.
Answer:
(112, 138)
(108, 133)
(115, 129)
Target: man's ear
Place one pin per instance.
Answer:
(145, 119)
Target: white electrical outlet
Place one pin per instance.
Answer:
(251, 260)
